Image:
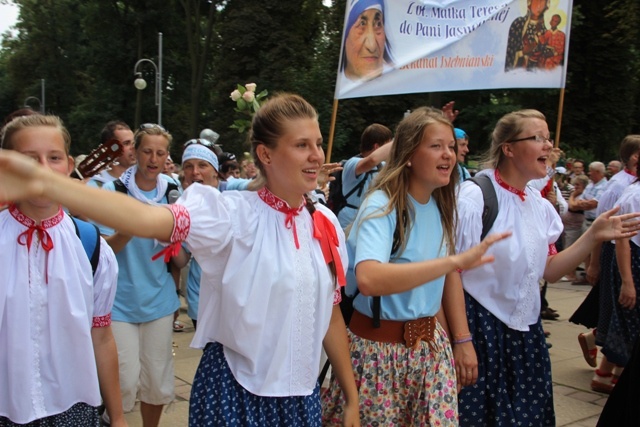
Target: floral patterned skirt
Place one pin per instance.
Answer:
(399, 386)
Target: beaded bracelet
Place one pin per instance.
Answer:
(460, 336)
(463, 340)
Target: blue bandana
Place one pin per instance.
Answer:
(460, 134)
(198, 151)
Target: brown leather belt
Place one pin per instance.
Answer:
(409, 332)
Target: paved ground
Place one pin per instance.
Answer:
(576, 405)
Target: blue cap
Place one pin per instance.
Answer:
(460, 134)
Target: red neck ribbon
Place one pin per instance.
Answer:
(507, 187)
(26, 237)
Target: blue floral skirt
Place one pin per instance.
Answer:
(217, 399)
(624, 324)
(79, 414)
(514, 374)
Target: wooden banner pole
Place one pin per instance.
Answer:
(332, 130)
(559, 123)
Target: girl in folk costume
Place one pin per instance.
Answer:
(513, 368)
(58, 353)
(400, 247)
(271, 265)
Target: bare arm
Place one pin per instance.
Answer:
(336, 345)
(117, 241)
(605, 227)
(376, 278)
(593, 272)
(464, 353)
(627, 297)
(104, 347)
(374, 159)
(22, 178)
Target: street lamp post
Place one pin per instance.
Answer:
(35, 98)
(140, 83)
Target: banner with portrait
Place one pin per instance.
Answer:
(413, 46)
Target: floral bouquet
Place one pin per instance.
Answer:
(247, 103)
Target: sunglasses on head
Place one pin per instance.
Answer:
(200, 141)
(145, 126)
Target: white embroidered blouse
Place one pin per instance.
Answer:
(268, 302)
(508, 287)
(49, 301)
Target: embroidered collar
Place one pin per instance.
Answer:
(281, 206)
(630, 172)
(501, 183)
(26, 237)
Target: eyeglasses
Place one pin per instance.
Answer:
(145, 126)
(200, 141)
(537, 138)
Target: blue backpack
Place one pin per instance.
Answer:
(89, 235)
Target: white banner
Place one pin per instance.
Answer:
(403, 46)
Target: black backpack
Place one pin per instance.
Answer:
(337, 199)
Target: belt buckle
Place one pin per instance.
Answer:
(416, 330)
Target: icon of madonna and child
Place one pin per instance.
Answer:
(531, 44)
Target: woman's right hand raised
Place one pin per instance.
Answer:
(475, 256)
(20, 177)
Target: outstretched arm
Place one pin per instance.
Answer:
(376, 278)
(372, 160)
(605, 227)
(22, 178)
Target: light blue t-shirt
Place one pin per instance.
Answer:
(146, 290)
(372, 238)
(349, 181)
(193, 289)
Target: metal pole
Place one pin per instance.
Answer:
(159, 79)
(42, 108)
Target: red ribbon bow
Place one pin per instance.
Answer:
(169, 251)
(26, 237)
(325, 232)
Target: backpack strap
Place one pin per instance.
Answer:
(89, 235)
(490, 210)
(119, 186)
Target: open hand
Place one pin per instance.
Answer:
(610, 227)
(326, 170)
(475, 256)
(449, 112)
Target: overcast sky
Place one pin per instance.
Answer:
(8, 16)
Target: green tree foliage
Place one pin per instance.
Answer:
(86, 52)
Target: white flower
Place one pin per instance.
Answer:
(235, 95)
(251, 87)
(249, 96)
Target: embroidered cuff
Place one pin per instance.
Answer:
(181, 222)
(337, 297)
(552, 250)
(101, 321)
